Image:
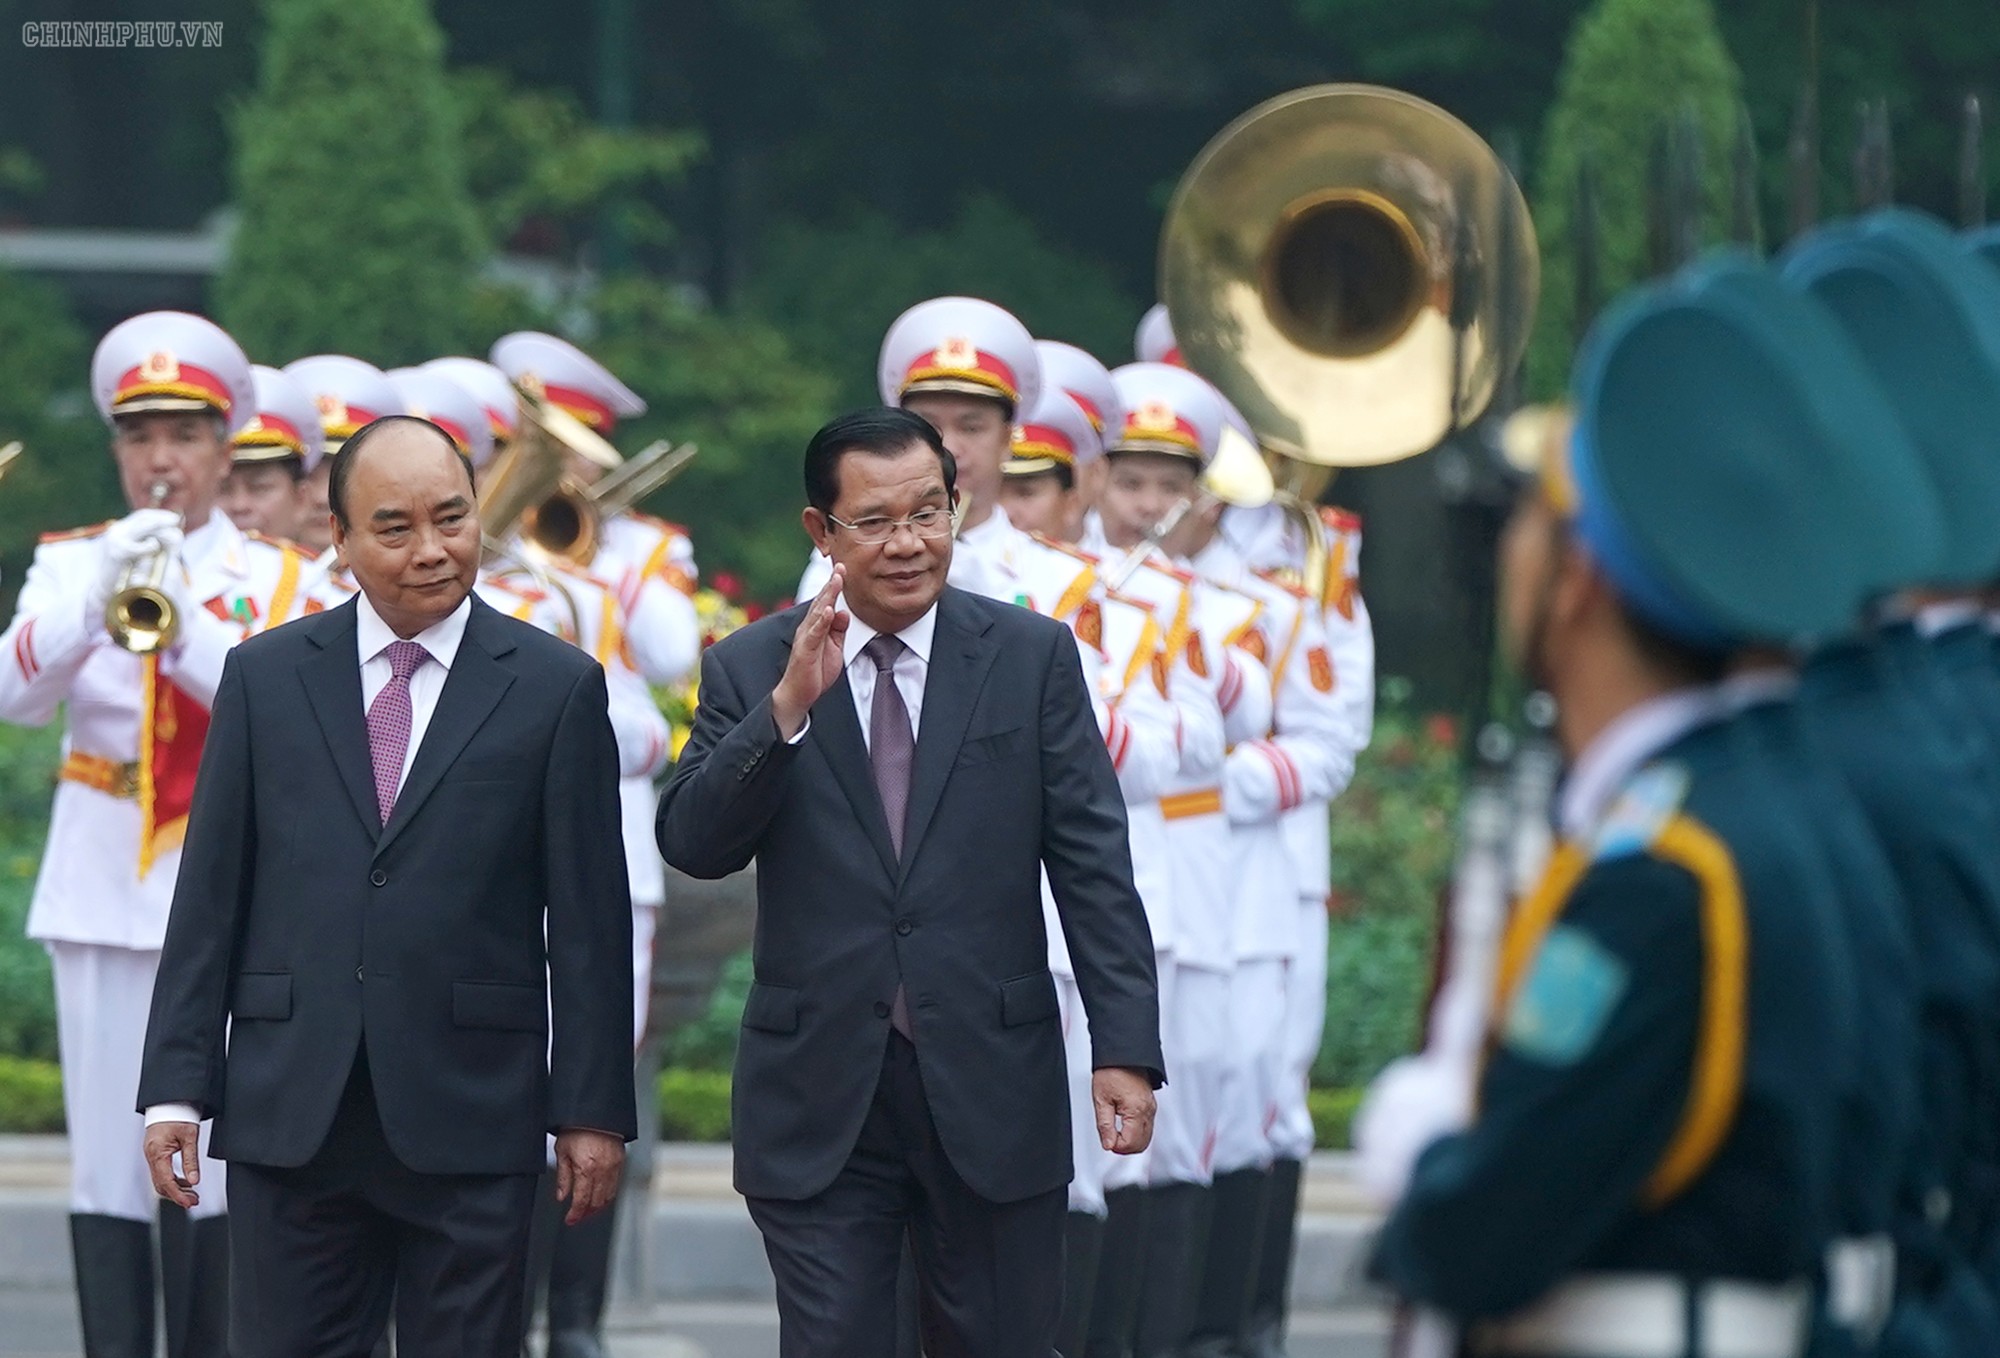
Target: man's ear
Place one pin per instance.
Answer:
(817, 528)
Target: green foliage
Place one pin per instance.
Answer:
(1631, 67)
(694, 1105)
(1392, 855)
(709, 1043)
(735, 387)
(533, 157)
(1333, 1113)
(27, 997)
(30, 1096)
(357, 233)
(836, 289)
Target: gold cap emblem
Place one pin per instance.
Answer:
(332, 410)
(160, 366)
(957, 353)
(531, 382)
(1154, 415)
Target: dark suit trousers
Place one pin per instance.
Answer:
(317, 1252)
(991, 1272)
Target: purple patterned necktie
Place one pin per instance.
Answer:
(892, 749)
(389, 720)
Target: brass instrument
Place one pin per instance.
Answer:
(140, 617)
(1128, 566)
(567, 522)
(7, 455)
(1355, 269)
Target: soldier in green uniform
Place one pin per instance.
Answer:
(1652, 1167)
(1905, 714)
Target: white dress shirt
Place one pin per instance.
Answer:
(912, 668)
(372, 637)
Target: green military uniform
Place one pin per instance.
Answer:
(1676, 1084)
(1921, 723)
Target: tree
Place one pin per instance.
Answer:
(733, 386)
(66, 477)
(358, 234)
(1631, 68)
(835, 290)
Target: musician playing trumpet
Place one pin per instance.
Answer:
(134, 674)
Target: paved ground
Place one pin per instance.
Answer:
(41, 1323)
(701, 1255)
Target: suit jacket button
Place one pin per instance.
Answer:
(379, 877)
(903, 927)
(881, 1009)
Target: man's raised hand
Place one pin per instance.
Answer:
(816, 659)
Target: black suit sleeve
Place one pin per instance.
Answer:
(589, 922)
(184, 1034)
(729, 782)
(1086, 849)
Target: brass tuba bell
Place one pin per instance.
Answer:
(1356, 270)
(567, 522)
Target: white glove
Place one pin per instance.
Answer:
(1412, 1103)
(137, 535)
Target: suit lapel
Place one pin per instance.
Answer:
(471, 691)
(332, 679)
(837, 734)
(960, 658)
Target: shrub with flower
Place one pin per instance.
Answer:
(719, 611)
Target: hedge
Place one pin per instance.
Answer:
(30, 1096)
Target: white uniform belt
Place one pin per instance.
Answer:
(1649, 1316)
(1861, 1283)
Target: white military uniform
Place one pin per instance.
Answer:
(648, 568)
(347, 392)
(134, 728)
(1118, 640)
(1270, 542)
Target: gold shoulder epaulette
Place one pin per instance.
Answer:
(285, 545)
(72, 534)
(1291, 586)
(1066, 548)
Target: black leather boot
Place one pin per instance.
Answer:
(114, 1285)
(1229, 1265)
(1121, 1259)
(1083, 1238)
(1176, 1238)
(1270, 1298)
(194, 1281)
(579, 1273)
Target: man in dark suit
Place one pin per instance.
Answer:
(903, 760)
(385, 973)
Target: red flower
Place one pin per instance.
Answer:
(752, 612)
(1442, 729)
(726, 584)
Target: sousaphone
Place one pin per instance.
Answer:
(1356, 270)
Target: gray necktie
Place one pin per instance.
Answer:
(892, 749)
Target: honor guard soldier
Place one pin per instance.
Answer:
(1054, 445)
(1154, 341)
(125, 626)
(1172, 423)
(1088, 383)
(348, 394)
(1299, 768)
(969, 367)
(490, 387)
(275, 452)
(1903, 715)
(1652, 1166)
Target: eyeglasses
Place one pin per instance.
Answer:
(878, 529)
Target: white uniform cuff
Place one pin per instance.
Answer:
(172, 1112)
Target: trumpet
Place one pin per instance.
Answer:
(140, 617)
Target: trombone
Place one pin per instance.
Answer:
(140, 617)
(569, 521)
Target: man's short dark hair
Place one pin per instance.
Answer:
(343, 461)
(880, 431)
